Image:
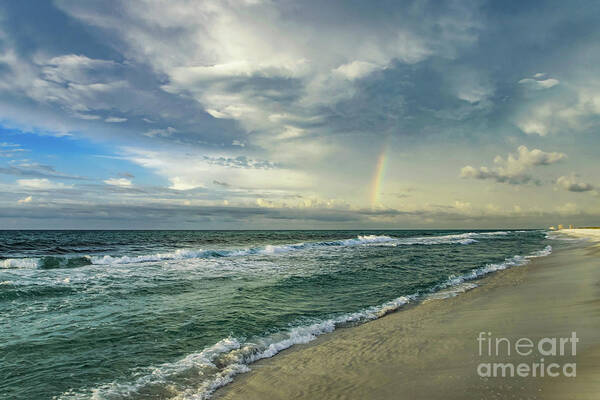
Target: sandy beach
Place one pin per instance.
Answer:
(593, 235)
(430, 350)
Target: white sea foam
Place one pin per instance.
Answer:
(460, 238)
(452, 291)
(546, 251)
(466, 238)
(20, 263)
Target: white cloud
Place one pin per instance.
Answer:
(123, 182)
(41, 184)
(291, 132)
(115, 120)
(182, 183)
(10, 150)
(160, 132)
(64, 87)
(468, 84)
(71, 68)
(534, 126)
(356, 69)
(87, 116)
(186, 171)
(571, 184)
(514, 169)
(573, 110)
(25, 200)
(539, 83)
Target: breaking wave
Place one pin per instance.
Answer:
(45, 262)
(181, 254)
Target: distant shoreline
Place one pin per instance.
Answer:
(592, 234)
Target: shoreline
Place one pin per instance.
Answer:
(428, 350)
(591, 234)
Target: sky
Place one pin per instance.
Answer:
(258, 114)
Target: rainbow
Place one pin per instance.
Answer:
(378, 177)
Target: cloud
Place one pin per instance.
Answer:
(75, 83)
(123, 182)
(10, 150)
(41, 184)
(570, 183)
(292, 102)
(356, 69)
(25, 200)
(539, 84)
(218, 183)
(115, 120)
(574, 109)
(236, 69)
(240, 162)
(514, 169)
(161, 215)
(186, 171)
(37, 170)
(166, 132)
(182, 183)
(90, 117)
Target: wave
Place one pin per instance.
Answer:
(465, 238)
(459, 238)
(265, 250)
(19, 263)
(45, 262)
(181, 254)
(489, 268)
(232, 356)
(451, 292)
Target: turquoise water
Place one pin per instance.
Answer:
(161, 314)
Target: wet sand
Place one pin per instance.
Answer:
(430, 350)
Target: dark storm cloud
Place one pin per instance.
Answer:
(441, 87)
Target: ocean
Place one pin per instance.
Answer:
(177, 314)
